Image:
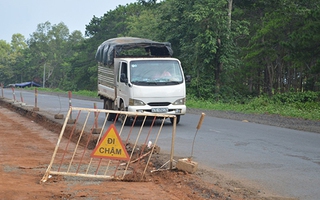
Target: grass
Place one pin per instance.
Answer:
(85, 93)
(308, 110)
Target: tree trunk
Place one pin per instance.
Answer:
(229, 13)
(258, 87)
(301, 80)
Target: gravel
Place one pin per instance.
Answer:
(267, 119)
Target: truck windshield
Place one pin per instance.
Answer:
(155, 72)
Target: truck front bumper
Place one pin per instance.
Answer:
(170, 110)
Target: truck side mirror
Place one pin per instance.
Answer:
(188, 78)
(123, 78)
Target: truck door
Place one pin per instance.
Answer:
(122, 87)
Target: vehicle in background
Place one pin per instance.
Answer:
(139, 75)
(23, 85)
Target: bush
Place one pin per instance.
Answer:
(297, 97)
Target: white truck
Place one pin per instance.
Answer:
(150, 83)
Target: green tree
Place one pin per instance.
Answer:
(18, 63)
(51, 49)
(205, 38)
(303, 42)
(12, 63)
(5, 73)
(112, 24)
(145, 24)
(281, 50)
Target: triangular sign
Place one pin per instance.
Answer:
(111, 146)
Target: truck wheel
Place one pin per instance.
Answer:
(178, 119)
(107, 105)
(123, 117)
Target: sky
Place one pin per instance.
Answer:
(23, 16)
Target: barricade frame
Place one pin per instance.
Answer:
(96, 112)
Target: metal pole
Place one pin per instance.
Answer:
(198, 127)
(2, 89)
(70, 96)
(35, 100)
(13, 94)
(174, 128)
(44, 76)
(35, 97)
(21, 97)
(95, 116)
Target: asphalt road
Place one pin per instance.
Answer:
(283, 161)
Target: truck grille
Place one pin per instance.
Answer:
(159, 103)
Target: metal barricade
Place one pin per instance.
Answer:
(117, 152)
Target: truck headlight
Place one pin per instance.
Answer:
(135, 102)
(181, 101)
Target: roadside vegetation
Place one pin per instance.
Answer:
(304, 105)
(86, 93)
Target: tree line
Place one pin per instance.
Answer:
(231, 48)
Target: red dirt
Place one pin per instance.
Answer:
(25, 152)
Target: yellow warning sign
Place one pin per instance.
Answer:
(111, 146)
